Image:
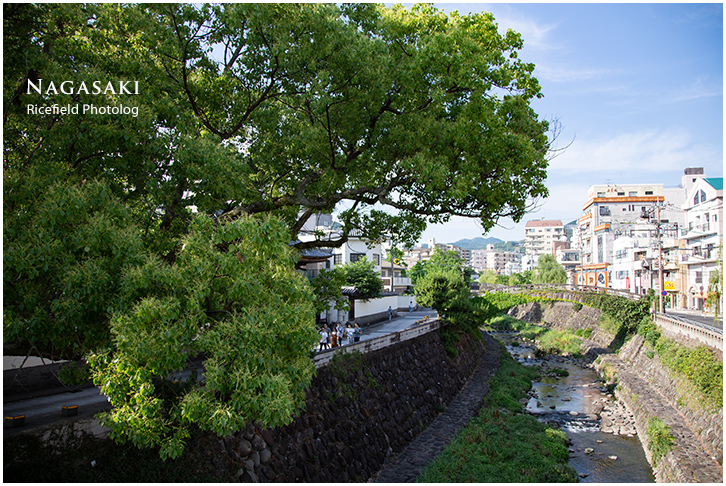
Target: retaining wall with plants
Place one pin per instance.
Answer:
(648, 389)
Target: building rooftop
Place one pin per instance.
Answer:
(715, 182)
(543, 222)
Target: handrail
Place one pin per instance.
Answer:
(693, 323)
(561, 287)
(707, 335)
(423, 326)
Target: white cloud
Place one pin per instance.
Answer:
(642, 152)
(700, 88)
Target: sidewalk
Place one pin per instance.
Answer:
(400, 322)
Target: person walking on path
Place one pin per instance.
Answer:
(349, 332)
(324, 338)
(390, 312)
(356, 333)
(333, 338)
(341, 333)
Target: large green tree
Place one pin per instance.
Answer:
(361, 274)
(548, 270)
(258, 115)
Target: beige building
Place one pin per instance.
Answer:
(541, 236)
(498, 261)
(614, 211)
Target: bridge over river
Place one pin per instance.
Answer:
(676, 324)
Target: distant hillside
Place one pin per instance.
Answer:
(478, 243)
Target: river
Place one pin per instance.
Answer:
(580, 405)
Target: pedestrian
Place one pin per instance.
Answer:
(410, 306)
(349, 332)
(341, 333)
(323, 338)
(390, 312)
(356, 333)
(333, 338)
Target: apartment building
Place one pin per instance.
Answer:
(615, 211)
(417, 254)
(704, 218)
(540, 236)
(498, 261)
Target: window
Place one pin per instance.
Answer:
(699, 277)
(648, 193)
(354, 257)
(604, 211)
(338, 259)
(600, 194)
(376, 259)
(633, 193)
(621, 274)
(621, 194)
(699, 197)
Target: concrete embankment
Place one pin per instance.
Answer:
(647, 389)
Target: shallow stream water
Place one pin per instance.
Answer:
(573, 403)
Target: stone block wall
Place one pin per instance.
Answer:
(647, 389)
(360, 410)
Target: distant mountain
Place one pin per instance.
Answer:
(477, 243)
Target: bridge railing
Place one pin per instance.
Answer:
(675, 326)
(424, 326)
(559, 288)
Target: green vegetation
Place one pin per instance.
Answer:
(701, 367)
(503, 445)
(556, 341)
(621, 317)
(362, 275)
(139, 242)
(660, 440)
(549, 271)
(549, 341)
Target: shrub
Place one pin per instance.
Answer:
(660, 440)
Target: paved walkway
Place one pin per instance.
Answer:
(409, 463)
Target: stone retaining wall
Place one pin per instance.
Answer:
(647, 389)
(360, 409)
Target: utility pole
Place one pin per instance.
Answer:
(659, 236)
(661, 302)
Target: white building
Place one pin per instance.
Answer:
(498, 261)
(704, 215)
(540, 236)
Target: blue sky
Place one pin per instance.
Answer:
(637, 88)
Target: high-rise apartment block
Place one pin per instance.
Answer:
(541, 236)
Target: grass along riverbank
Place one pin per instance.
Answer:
(503, 444)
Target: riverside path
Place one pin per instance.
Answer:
(409, 463)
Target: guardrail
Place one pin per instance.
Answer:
(422, 326)
(678, 326)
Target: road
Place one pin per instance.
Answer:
(46, 410)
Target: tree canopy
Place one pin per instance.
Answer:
(361, 274)
(240, 119)
(548, 270)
